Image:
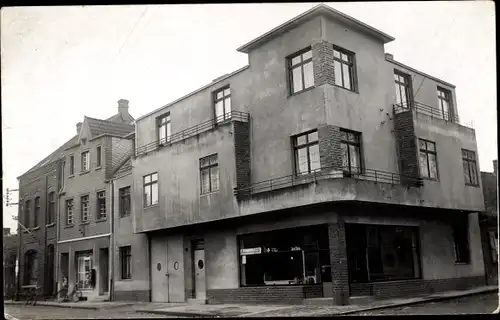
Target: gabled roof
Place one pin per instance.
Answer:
(119, 117)
(99, 127)
(54, 155)
(319, 9)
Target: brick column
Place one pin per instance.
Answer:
(330, 154)
(242, 153)
(407, 147)
(338, 262)
(322, 53)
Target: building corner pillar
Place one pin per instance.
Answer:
(338, 262)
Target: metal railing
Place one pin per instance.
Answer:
(430, 111)
(193, 131)
(328, 173)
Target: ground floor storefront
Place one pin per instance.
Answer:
(85, 263)
(489, 238)
(338, 253)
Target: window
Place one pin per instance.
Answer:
(71, 165)
(124, 201)
(85, 161)
(444, 103)
(60, 177)
(99, 156)
(31, 268)
(101, 205)
(493, 237)
(84, 201)
(382, 252)
(69, 211)
(164, 129)
(27, 214)
(343, 65)
(125, 260)
(470, 168)
(461, 240)
(37, 212)
(306, 150)
(285, 257)
(222, 104)
(84, 270)
(52, 208)
(428, 159)
(209, 173)
(150, 189)
(301, 71)
(402, 84)
(350, 148)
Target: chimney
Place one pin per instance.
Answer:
(495, 167)
(123, 106)
(389, 56)
(78, 127)
(6, 232)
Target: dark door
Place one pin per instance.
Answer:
(50, 270)
(356, 253)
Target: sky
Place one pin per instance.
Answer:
(63, 62)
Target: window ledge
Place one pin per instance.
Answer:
(98, 168)
(69, 226)
(301, 91)
(35, 228)
(71, 175)
(50, 225)
(472, 185)
(461, 263)
(353, 91)
(152, 206)
(101, 220)
(209, 193)
(130, 279)
(84, 223)
(84, 172)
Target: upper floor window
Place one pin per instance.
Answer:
(470, 167)
(52, 207)
(69, 211)
(61, 175)
(300, 67)
(209, 174)
(124, 201)
(402, 84)
(428, 159)
(150, 189)
(350, 147)
(71, 164)
(85, 161)
(85, 208)
(306, 150)
(444, 103)
(222, 104)
(343, 65)
(37, 212)
(27, 208)
(461, 240)
(101, 205)
(99, 156)
(164, 129)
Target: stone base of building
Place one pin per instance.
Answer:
(268, 294)
(134, 295)
(388, 289)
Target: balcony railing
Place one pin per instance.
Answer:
(193, 131)
(430, 111)
(357, 173)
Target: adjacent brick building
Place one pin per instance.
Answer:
(324, 168)
(489, 223)
(10, 247)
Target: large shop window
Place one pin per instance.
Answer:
(285, 257)
(382, 253)
(84, 270)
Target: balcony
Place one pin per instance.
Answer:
(193, 131)
(376, 176)
(430, 111)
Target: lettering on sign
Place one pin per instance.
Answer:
(249, 251)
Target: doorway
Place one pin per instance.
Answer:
(159, 271)
(103, 270)
(199, 270)
(50, 270)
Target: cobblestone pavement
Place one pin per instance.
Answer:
(485, 303)
(45, 312)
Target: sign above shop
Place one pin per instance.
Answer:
(249, 251)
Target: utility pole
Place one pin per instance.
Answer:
(18, 259)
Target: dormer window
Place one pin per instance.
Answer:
(164, 129)
(222, 101)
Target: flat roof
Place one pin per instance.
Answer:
(419, 72)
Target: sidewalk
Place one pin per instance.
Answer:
(76, 305)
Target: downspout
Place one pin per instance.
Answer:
(112, 244)
(45, 233)
(19, 234)
(58, 221)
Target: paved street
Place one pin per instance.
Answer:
(485, 303)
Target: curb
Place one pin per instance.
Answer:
(181, 313)
(57, 305)
(423, 300)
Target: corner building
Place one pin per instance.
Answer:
(324, 168)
